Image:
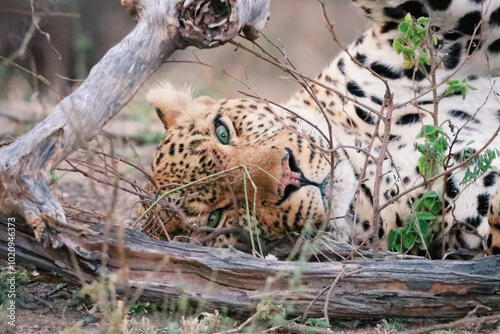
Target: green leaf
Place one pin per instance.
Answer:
(463, 90)
(422, 166)
(316, 322)
(398, 45)
(428, 203)
(430, 194)
(424, 227)
(409, 241)
(422, 20)
(459, 86)
(398, 247)
(425, 216)
(410, 221)
(436, 208)
(394, 240)
(391, 239)
(441, 144)
(403, 27)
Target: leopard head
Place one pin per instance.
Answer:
(237, 163)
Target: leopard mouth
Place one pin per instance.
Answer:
(292, 178)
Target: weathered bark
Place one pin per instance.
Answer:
(225, 278)
(163, 27)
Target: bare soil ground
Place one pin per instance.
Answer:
(48, 307)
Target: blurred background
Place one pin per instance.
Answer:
(74, 34)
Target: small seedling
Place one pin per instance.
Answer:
(433, 151)
(268, 311)
(392, 325)
(140, 308)
(315, 322)
(413, 42)
(456, 86)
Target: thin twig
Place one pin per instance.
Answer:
(328, 295)
(38, 14)
(39, 77)
(47, 35)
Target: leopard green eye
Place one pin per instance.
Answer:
(214, 218)
(222, 133)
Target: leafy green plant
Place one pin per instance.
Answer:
(268, 311)
(433, 151)
(140, 308)
(456, 86)
(392, 325)
(482, 165)
(413, 41)
(433, 156)
(406, 238)
(315, 322)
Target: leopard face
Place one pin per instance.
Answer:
(245, 167)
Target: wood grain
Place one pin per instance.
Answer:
(227, 279)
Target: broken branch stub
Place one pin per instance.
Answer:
(132, 7)
(216, 19)
(163, 26)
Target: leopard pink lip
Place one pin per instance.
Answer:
(288, 176)
(292, 178)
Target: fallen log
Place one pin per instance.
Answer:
(227, 279)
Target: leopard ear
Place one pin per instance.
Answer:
(207, 101)
(172, 105)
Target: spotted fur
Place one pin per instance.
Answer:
(274, 144)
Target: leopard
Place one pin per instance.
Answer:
(330, 155)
